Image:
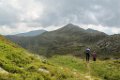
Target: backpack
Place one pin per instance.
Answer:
(88, 51)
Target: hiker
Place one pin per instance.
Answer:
(87, 54)
(94, 56)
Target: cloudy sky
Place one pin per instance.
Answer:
(18, 16)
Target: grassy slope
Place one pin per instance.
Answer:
(18, 64)
(103, 70)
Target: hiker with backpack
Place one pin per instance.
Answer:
(87, 54)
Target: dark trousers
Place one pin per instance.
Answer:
(94, 59)
(87, 57)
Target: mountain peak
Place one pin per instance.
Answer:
(70, 25)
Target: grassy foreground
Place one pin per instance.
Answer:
(18, 64)
(99, 70)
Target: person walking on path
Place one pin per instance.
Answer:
(94, 56)
(87, 54)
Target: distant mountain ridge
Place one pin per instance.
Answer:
(92, 31)
(31, 33)
(69, 39)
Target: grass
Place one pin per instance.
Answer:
(103, 70)
(71, 62)
(108, 70)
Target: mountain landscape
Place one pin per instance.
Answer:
(60, 55)
(18, 64)
(70, 39)
(59, 40)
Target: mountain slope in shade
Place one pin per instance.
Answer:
(69, 39)
(31, 33)
(18, 64)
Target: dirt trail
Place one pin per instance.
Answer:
(89, 73)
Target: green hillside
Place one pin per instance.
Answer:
(18, 64)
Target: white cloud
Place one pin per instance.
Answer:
(31, 11)
(23, 27)
(97, 7)
(103, 15)
(115, 30)
(51, 28)
(26, 10)
(19, 28)
(92, 16)
(101, 28)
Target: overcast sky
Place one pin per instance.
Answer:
(18, 16)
